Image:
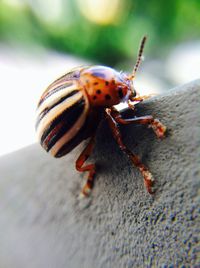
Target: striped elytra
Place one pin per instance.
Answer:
(61, 114)
(71, 108)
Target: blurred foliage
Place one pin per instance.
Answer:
(73, 28)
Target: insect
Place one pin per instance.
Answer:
(71, 108)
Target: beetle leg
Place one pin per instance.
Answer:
(155, 124)
(131, 101)
(138, 99)
(148, 178)
(90, 167)
(141, 98)
(131, 105)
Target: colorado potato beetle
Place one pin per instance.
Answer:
(71, 108)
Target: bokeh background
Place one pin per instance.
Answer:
(42, 39)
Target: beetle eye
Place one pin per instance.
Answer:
(133, 91)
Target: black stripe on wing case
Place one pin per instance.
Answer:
(54, 90)
(46, 110)
(67, 124)
(73, 75)
(69, 116)
(67, 147)
(87, 130)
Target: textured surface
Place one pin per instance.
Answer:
(44, 224)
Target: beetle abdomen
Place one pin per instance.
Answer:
(61, 114)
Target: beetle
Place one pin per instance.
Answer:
(71, 108)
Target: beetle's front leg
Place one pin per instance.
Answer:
(148, 178)
(153, 123)
(138, 99)
(90, 167)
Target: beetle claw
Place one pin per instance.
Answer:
(159, 129)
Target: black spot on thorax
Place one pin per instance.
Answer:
(107, 97)
(98, 91)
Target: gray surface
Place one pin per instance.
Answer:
(44, 224)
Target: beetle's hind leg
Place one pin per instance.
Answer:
(90, 167)
(148, 178)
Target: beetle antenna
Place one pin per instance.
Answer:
(139, 57)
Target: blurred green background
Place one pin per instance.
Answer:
(102, 31)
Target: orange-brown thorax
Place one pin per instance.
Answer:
(104, 86)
